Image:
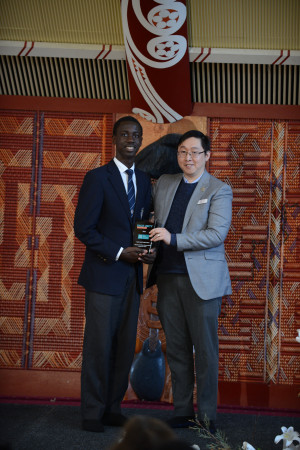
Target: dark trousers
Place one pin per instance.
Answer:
(108, 349)
(190, 325)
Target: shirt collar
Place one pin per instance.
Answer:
(195, 181)
(121, 166)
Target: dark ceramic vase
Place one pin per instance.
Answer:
(147, 374)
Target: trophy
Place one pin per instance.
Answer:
(141, 232)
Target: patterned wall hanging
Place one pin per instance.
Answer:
(261, 162)
(44, 157)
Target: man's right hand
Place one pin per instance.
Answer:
(130, 254)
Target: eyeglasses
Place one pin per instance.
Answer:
(183, 154)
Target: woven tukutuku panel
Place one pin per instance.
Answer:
(259, 321)
(17, 153)
(45, 158)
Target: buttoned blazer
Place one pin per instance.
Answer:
(103, 224)
(206, 223)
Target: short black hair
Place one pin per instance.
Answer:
(205, 141)
(126, 119)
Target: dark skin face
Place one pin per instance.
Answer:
(127, 140)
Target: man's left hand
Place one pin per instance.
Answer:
(148, 258)
(160, 234)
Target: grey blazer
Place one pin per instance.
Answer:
(205, 227)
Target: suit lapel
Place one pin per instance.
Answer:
(138, 210)
(169, 195)
(117, 184)
(197, 195)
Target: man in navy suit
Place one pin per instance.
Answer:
(112, 275)
(193, 215)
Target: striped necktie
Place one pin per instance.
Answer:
(130, 192)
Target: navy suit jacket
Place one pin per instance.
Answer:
(103, 223)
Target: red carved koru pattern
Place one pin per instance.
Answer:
(155, 37)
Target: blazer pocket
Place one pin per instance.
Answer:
(106, 261)
(216, 256)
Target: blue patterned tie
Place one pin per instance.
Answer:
(130, 192)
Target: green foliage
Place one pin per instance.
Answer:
(218, 441)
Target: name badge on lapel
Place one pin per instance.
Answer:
(200, 202)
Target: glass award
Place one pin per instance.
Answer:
(141, 232)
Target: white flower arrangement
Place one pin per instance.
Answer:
(288, 436)
(247, 446)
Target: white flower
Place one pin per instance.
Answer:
(247, 446)
(288, 435)
(196, 447)
(298, 337)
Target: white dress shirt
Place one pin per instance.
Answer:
(122, 169)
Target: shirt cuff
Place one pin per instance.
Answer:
(173, 240)
(119, 253)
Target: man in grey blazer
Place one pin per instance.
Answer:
(193, 215)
